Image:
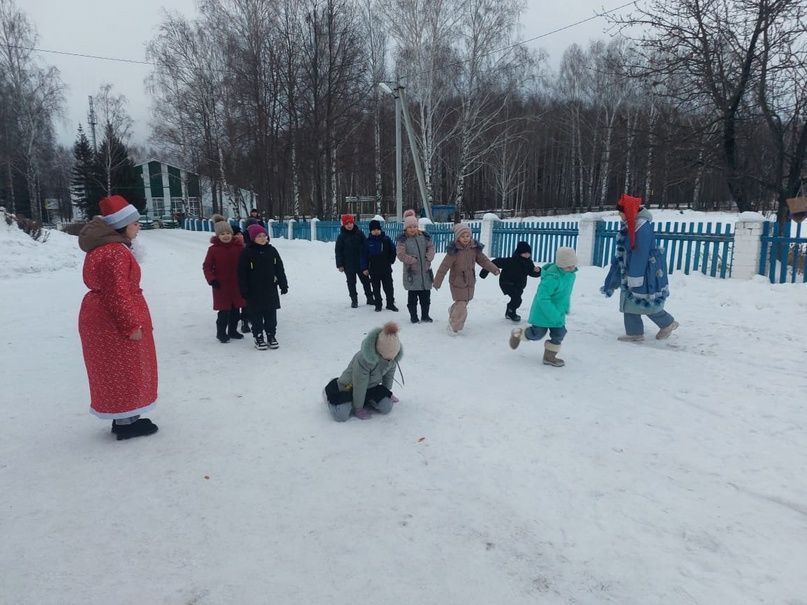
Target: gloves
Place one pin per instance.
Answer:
(606, 292)
(483, 273)
(284, 290)
(215, 284)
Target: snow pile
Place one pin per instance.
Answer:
(20, 254)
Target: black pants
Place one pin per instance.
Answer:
(336, 397)
(425, 298)
(384, 280)
(227, 322)
(263, 319)
(350, 276)
(514, 292)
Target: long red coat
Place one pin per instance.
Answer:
(122, 372)
(221, 263)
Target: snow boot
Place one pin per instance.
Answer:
(413, 313)
(232, 326)
(516, 336)
(631, 338)
(391, 307)
(221, 329)
(245, 329)
(139, 428)
(378, 304)
(666, 331)
(551, 355)
(370, 299)
(512, 315)
(424, 314)
(354, 302)
(260, 343)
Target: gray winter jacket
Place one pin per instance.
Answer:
(416, 253)
(368, 369)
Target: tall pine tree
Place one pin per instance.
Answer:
(119, 173)
(85, 184)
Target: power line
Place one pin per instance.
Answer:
(528, 40)
(504, 48)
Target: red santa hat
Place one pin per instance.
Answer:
(629, 206)
(117, 212)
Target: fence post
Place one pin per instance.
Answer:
(486, 236)
(314, 222)
(291, 228)
(747, 245)
(586, 238)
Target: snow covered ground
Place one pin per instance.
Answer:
(663, 472)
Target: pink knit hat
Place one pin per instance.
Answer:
(461, 228)
(255, 230)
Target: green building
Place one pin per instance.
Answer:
(170, 190)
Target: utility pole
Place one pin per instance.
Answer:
(400, 109)
(92, 123)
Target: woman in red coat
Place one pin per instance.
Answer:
(221, 272)
(115, 324)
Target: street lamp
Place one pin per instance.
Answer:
(400, 109)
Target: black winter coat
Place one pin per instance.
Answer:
(515, 271)
(260, 274)
(378, 254)
(348, 249)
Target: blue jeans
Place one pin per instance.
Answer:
(537, 333)
(634, 326)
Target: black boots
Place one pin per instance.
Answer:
(139, 428)
(232, 326)
(413, 313)
(391, 306)
(512, 315)
(221, 327)
(424, 313)
(354, 302)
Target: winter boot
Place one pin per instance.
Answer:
(221, 328)
(516, 336)
(361, 414)
(272, 342)
(512, 315)
(354, 302)
(377, 303)
(139, 428)
(391, 306)
(245, 329)
(260, 343)
(551, 355)
(413, 313)
(232, 326)
(666, 331)
(370, 299)
(631, 338)
(424, 314)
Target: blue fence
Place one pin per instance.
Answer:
(783, 254)
(543, 238)
(443, 234)
(688, 247)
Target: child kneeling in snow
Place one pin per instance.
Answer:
(368, 377)
(550, 306)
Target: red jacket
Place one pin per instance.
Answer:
(122, 372)
(221, 263)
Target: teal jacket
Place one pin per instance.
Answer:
(368, 369)
(553, 297)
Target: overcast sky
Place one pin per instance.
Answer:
(115, 28)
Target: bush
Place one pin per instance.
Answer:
(31, 227)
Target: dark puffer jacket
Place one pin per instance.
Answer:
(378, 254)
(348, 249)
(515, 269)
(260, 274)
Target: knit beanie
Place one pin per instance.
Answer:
(629, 206)
(461, 228)
(347, 218)
(387, 344)
(255, 230)
(374, 224)
(221, 225)
(117, 212)
(521, 248)
(409, 212)
(566, 257)
(411, 220)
